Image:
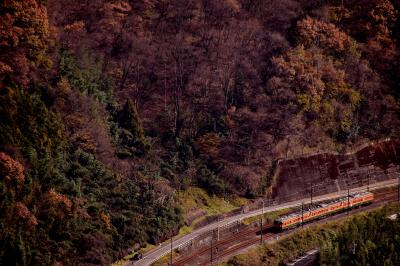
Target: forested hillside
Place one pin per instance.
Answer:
(110, 107)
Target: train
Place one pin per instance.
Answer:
(322, 210)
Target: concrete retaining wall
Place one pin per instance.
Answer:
(330, 172)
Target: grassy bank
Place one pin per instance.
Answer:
(197, 200)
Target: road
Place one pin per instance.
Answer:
(164, 249)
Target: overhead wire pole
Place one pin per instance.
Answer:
(370, 175)
(348, 200)
(302, 214)
(348, 193)
(311, 193)
(216, 244)
(218, 228)
(262, 216)
(398, 186)
(170, 259)
(211, 254)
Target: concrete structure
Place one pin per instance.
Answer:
(325, 173)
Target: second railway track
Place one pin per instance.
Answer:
(251, 236)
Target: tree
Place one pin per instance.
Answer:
(132, 134)
(321, 88)
(129, 119)
(10, 169)
(208, 144)
(327, 36)
(84, 121)
(23, 39)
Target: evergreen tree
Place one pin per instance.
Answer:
(132, 138)
(129, 119)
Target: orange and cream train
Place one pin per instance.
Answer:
(322, 210)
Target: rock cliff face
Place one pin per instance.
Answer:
(330, 172)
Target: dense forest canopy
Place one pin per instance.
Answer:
(107, 107)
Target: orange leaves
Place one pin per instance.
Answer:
(56, 199)
(4, 68)
(322, 34)
(7, 36)
(83, 118)
(57, 205)
(23, 37)
(73, 32)
(208, 144)
(105, 218)
(22, 212)
(383, 13)
(381, 45)
(85, 141)
(317, 80)
(304, 68)
(23, 23)
(120, 8)
(11, 169)
(77, 26)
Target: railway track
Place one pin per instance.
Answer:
(250, 236)
(237, 247)
(240, 235)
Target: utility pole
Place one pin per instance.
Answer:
(170, 259)
(262, 216)
(311, 193)
(368, 182)
(218, 228)
(211, 255)
(348, 200)
(398, 188)
(302, 214)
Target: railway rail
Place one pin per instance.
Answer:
(186, 241)
(240, 235)
(250, 236)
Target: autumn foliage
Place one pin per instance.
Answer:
(314, 32)
(24, 32)
(22, 212)
(11, 169)
(209, 144)
(108, 107)
(59, 200)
